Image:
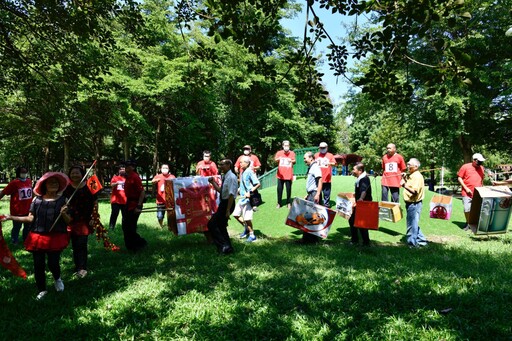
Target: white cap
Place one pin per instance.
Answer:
(479, 157)
(322, 145)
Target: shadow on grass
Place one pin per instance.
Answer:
(179, 287)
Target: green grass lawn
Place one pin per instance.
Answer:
(179, 288)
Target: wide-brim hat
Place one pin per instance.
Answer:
(61, 177)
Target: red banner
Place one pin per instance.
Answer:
(94, 184)
(6, 258)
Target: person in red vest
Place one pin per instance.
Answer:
(470, 175)
(206, 167)
(20, 190)
(393, 165)
(325, 160)
(285, 160)
(117, 196)
(135, 195)
(159, 182)
(255, 161)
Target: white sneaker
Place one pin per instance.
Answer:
(81, 273)
(59, 285)
(41, 295)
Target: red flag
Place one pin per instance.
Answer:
(7, 260)
(94, 184)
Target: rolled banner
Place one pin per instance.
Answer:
(7, 259)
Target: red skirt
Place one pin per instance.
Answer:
(53, 241)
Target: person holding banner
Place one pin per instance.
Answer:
(285, 160)
(20, 190)
(48, 236)
(135, 195)
(117, 196)
(243, 210)
(81, 206)
(414, 192)
(159, 182)
(314, 185)
(393, 165)
(206, 167)
(217, 225)
(469, 176)
(363, 192)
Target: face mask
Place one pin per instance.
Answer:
(165, 171)
(247, 152)
(286, 149)
(23, 176)
(323, 150)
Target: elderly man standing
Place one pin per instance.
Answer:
(134, 200)
(314, 185)
(363, 192)
(393, 165)
(255, 161)
(470, 175)
(219, 221)
(325, 162)
(414, 192)
(243, 210)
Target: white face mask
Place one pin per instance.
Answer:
(323, 150)
(247, 152)
(23, 176)
(165, 171)
(286, 149)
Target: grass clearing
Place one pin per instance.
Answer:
(180, 289)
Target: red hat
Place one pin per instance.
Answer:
(61, 177)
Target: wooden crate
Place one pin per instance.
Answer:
(390, 211)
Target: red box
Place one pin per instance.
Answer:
(367, 215)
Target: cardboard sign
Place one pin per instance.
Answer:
(344, 204)
(390, 211)
(490, 210)
(441, 207)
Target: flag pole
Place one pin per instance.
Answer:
(72, 195)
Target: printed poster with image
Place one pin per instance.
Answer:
(195, 200)
(310, 217)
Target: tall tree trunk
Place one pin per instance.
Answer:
(98, 144)
(126, 146)
(66, 154)
(466, 147)
(157, 139)
(46, 153)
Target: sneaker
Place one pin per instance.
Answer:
(81, 273)
(41, 295)
(251, 239)
(59, 285)
(245, 233)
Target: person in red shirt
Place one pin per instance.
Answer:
(117, 196)
(206, 167)
(393, 165)
(159, 182)
(255, 161)
(285, 160)
(325, 160)
(134, 202)
(470, 175)
(20, 190)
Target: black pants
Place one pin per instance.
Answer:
(218, 227)
(288, 184)
(365, 236)
(395, 193)
(40, 267)
(79, 244)
(132, 240)
(326, 192)
(114, 213)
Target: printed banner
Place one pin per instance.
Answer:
(7, 260)
(195, 202)
(310, 217)
(94, 184)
